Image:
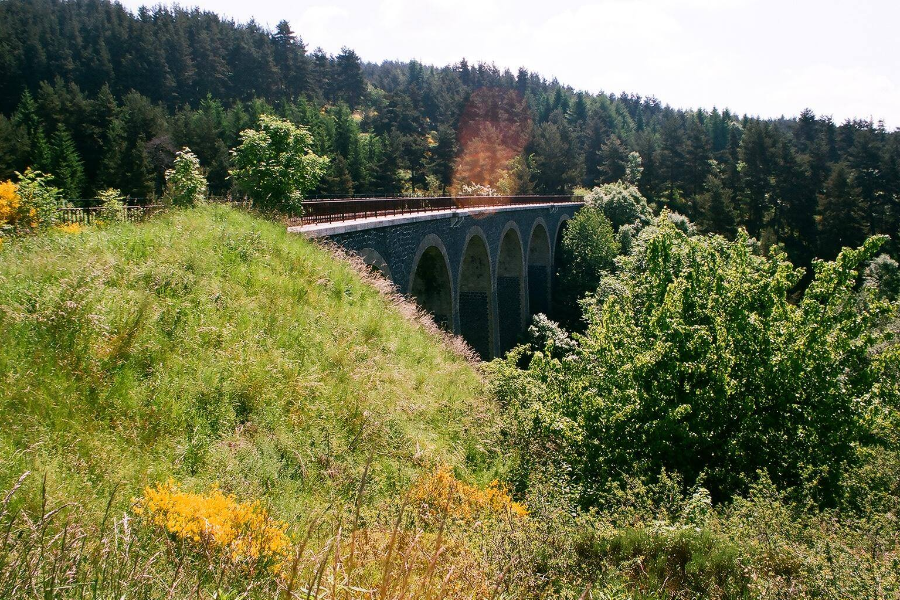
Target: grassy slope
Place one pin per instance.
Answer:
(211, 346)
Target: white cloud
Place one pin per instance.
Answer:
(317, 21)
(861, 91)
(393, 12)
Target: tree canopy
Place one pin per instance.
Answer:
(102, 97)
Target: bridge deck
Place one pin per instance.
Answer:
(335, 228)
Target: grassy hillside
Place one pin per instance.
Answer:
(211, 346)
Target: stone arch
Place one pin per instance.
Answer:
(511, 297)
(430, 284)
(539, 268)
(373, 259)
(476, 315)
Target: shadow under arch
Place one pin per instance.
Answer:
(510, 287)
(374, 260)
(430, 283)
(560, 310)
(476, 321)
(539, 269)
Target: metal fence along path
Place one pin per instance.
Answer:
(90, 215)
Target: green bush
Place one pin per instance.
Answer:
(112, 206)
(621, 202)
(588, 250)
(185, 182)
(696, 361)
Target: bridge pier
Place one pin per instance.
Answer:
(481, 272)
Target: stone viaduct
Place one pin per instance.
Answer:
(481, 272)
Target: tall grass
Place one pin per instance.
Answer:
(52, 555)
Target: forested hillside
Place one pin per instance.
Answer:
(101, 97)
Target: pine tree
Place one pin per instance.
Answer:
(66, 165)
(842, 217)
(756, 154)
(26, 115)
(98, 114)
(465, 73)
(443, 157)
(614, 157)
(338, 183)
(290, 58)
(10, 151)
(414, 149)
(578, 114)
(717, 208)
(111, 173)
(557, 168)
(672, 156)
(596, 133)
(349, 84)
(648, 148)
(717, 127)
(33, 145)
(346, 131)
(807, 130)
(138, 179)
(864, 160)
(795, 204)
(322, 75)
(41, 156)
(386, 180)
(697, 154)
(521, 80)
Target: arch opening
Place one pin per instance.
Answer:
(558, 309)
(431, 287)
(510, 290)
(475, 314)
(539, 271)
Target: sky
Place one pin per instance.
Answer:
(760, 57)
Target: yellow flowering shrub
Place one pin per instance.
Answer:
(9, 203)
(29, 204)
(440, 492)
(243, 531)
(70, 228)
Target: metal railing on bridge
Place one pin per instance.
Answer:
(332, 211)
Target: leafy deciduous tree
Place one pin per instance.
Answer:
(275, 165)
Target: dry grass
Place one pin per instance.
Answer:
(402, 303)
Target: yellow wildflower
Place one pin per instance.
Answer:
(442, 493)
(244, 531)
(70, 228)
